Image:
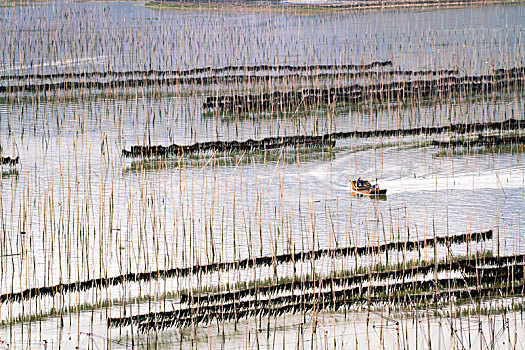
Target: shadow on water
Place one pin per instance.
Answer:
(377, 197)
(9, 173)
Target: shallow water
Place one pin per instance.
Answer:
(77, 210)
(62, 36)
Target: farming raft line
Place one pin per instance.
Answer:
(313, 141)
(104, 282)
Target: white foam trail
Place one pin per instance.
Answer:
(509, 178)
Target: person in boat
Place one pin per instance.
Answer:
(358, 181)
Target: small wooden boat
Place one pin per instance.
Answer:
(8, 161)
(8, 166)
(366, 188)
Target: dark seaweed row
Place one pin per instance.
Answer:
(165, 81)
(326, 139)
(408, 292)
(103, 282)
(9, 161)
(509, 124)
(466, 266)
(137, 81)
(482, 140)
(394, 91)
(194, 71)
(395, 289)
(230, 146)
(328, 301)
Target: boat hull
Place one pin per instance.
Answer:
(367, 191)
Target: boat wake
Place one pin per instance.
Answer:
(502, 179)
